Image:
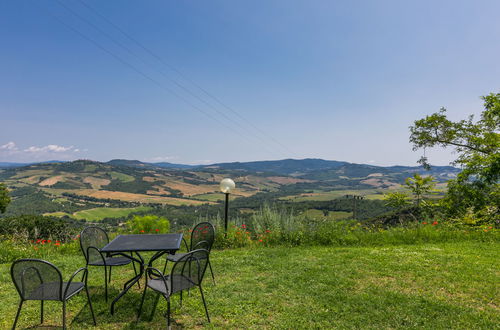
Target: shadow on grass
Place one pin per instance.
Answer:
(126, 309)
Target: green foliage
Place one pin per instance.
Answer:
(272, 226)
(148, 224)
(36, 226)
(420, 186)
(477, 144)
(397, 200)
(4, 198)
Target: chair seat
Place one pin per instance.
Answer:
(50, 291)
(180, 283)
(177, 256)
(111, 261)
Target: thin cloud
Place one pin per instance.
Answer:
(11, 152)
(49, 148)
(9, 146)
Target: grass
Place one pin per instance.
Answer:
(333, 194)
(121, 176)
(99, 213)
(432, 286)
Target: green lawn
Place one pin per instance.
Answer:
(432, 286)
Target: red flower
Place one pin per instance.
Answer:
(44, 241)
(78, 235)
(243, 226)
(424, 223)
(37, 241)
(57, 244)
(49, 241)
(260, 240)
(268, 231)
(434, 223)
(142, 231)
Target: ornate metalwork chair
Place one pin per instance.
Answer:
(37, 279)
(202, 237)
(92, 240)
(187, 272)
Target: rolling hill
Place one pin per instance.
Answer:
(70, 187)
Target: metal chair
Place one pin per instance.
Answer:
(186, 273)
(37, 279)
(202, 237)
(92, 240)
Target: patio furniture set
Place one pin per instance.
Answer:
(40, 280)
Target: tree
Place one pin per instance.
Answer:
(419, 186)
(477, 144)
(4, 198)
(397, 200)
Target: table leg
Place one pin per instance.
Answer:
(130, 282)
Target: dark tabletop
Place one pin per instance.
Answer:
(144, 242)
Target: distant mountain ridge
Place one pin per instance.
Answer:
(307, 168)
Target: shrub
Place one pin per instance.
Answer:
(147, 224)
(37, 226)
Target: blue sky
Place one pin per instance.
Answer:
(339, 80)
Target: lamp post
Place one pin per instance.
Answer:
(226, 186)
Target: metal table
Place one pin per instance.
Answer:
(127, 245)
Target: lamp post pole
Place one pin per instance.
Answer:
(226, 186)
(225, 214)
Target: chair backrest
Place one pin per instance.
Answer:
(202, 236)
(189, 270)
(36, 279)
(93, 237)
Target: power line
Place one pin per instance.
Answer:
(132, 67)
(171, 67)
(127, 49)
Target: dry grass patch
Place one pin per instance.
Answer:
(51, 181)
(96, 183)
(191, 189)
(286, 180)
(142, 198)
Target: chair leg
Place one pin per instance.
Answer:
(110, 274)
(168, 313)
(204, 303)
(135, 272)
(211, 271)
(106, 282)
(64, 314)
(181, 297)
(90, 304)
(41, 311)
(17, 314)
